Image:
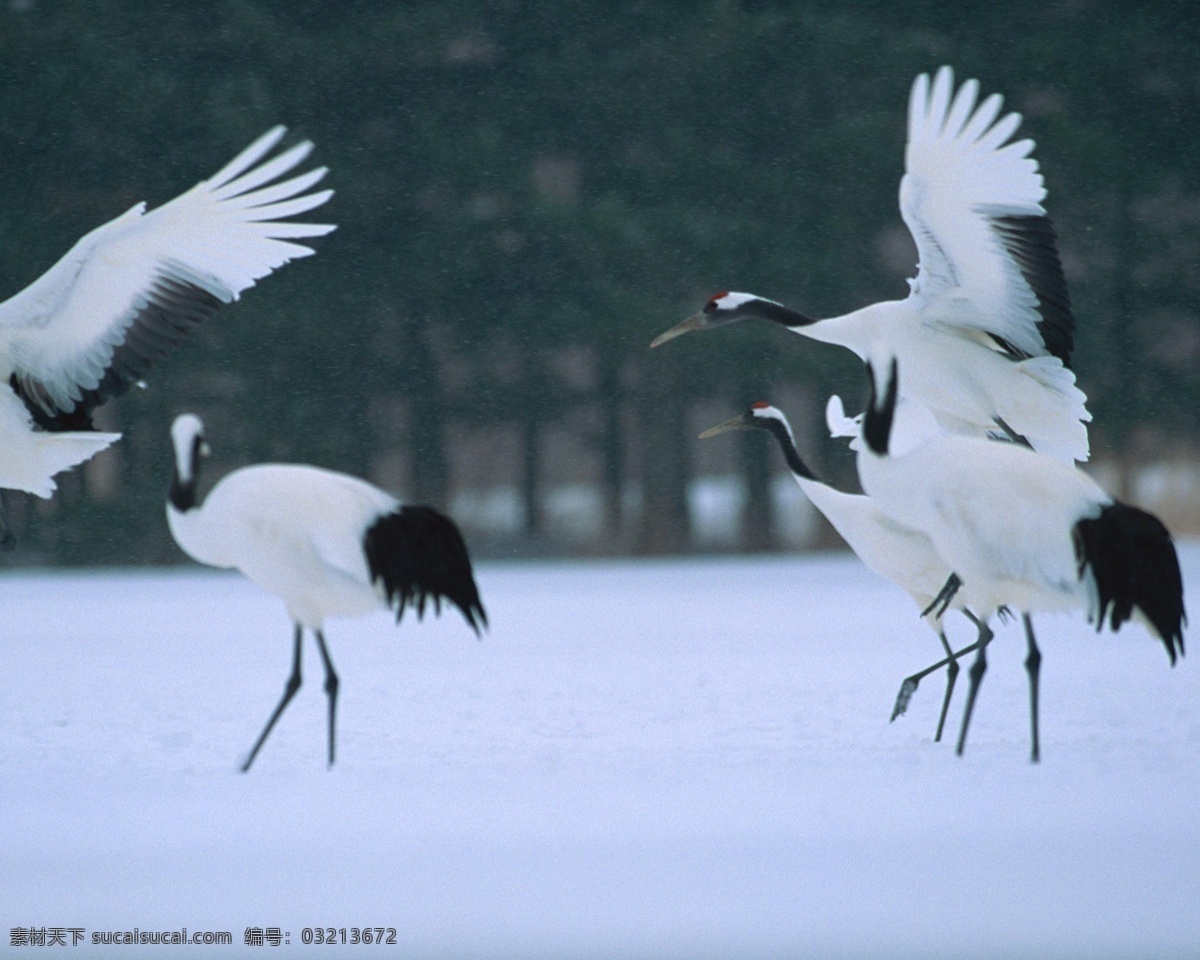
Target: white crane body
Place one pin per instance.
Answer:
(296, 517)
(326, 543)
(1023, 530)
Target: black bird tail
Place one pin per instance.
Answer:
(418, 554)
(1133, 561)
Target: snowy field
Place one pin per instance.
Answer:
(683, 759)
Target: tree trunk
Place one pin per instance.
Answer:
(531, 485)
(612, 450)
(426, 420)
(758, 511)
(666, 466)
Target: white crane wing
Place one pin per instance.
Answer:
(128, 292)
(973, 201)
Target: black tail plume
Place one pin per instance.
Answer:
(1133, 560)
(418, 554)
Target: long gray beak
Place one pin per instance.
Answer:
(695, 322)
(737, 423)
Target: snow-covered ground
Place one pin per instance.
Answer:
(669, 759)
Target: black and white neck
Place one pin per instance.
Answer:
(726, 307)
(881, 409)
(763, 416)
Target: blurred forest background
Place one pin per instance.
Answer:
(528, 192)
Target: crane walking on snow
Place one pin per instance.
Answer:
(326, 543)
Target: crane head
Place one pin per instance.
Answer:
(720, 309)
(758, 417)
(187, 437)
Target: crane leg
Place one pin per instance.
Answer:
(1033, 666)
(331, 689)
(984, 638)
(974, 675)
(909, 685)
(951, 678)
(289, 691)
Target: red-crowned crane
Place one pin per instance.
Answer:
(1023, 530)
(986, 332)
(327, 544)
(126, 294)
(897, 553)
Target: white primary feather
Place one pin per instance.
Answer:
(986, 331)
(960, 176)
(838, 424)
(29, 459)
(219, 236)
(167, 268)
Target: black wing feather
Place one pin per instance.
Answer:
(173, 309)
(1032, 243)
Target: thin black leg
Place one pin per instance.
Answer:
(331, 689)
(951, 678)
(984, 638)
(975, 675)
(909, 685)
(289, 691)
(1033, 666)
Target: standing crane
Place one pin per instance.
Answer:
(903, 555)
(1023, 530)
(327, 544)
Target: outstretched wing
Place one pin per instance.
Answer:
(128, 292)
(973, 202)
